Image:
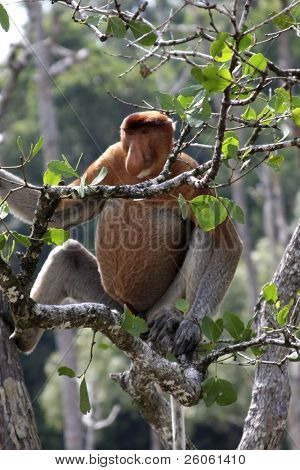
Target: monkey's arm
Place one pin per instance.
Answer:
(216, 267)
(203, 279)
(23, 203)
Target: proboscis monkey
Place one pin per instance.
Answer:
(146, 255)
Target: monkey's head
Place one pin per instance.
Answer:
(147, 140)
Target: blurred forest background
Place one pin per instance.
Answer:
(87, 121)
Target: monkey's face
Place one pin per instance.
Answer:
(147, 146)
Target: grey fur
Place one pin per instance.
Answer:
(22, 201)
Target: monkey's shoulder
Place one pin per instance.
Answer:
(186, 163)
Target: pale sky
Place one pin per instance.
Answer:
(17, 18)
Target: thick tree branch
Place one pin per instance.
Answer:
(267, 415)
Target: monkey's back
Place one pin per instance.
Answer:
(140, 246)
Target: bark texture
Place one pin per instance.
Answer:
(267, 416)
(18, 429)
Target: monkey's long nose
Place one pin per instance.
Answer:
(135, 160)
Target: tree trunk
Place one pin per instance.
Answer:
(268, 212)
(47, 116)
(48, 127)
(69, 391)
(286, 61)
(294, 411)
(238, 191)
(267, 416)
(18, 429)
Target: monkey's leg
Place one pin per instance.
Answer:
(70, 271)
(203, 280)
(163, 318)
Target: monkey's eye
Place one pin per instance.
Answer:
(145, 130)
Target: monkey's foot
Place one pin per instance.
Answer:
(162, 329)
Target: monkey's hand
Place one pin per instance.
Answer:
(171, 332)
(187, 337)
(162, 329)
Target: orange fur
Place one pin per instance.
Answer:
(140, 245)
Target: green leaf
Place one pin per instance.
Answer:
(233, 324)
(183, 207)
(282, 100)
(169, 103)
(37, 147)
(226, 393)
(101, 175)
(266, 116)
(210, 390)
(3, 240)
(93, 20)
(116, 27)
(51, 178)
(275, 162)
(220, 51)
(258, 350)
(66, 371)
(247, 334)
(133, 324)
(22, 239)
(185, 101)
(4, 18)
(212, 330)
(249, 114)
(270, 293)
(209, 212)
(62, 168)
(195, 118)
(206, 108)
(212, 77)
(230, 146)
(58, 236)
(182, 305)
(104, 346)
(85, 406)
(245, 42)
(139, 29)
(201, 111)
(20, 145)
(171, 357)
(296, 116)
(259, 62)
(190, 91)
(4, 210)
(282, 315)
(284, 20)
(233, 209)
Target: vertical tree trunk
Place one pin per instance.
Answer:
(18, 429)
(69, 391)
(294, 411)
(285, 61)
(238, 191)
(268, 212)
(267, 416)
(48, 126)
(44, 83)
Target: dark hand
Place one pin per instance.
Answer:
(171, 332)
(187, 337)
(162, 329)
